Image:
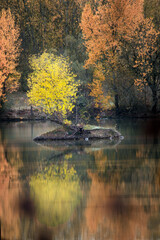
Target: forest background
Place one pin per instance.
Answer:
(112, 47)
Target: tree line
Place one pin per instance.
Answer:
(112, 47)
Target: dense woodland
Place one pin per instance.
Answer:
(111, 48)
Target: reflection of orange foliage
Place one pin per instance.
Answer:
(100, 159)
(157, 179)
(109, 214)
(142, 152)
(10, 189)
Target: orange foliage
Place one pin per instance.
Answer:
(96, 87)
(9, 53)
(146, 51)
(140, 83)
(101, 101)
(106, 29)
(118, 29)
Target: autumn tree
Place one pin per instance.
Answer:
(145, 46)
(52, 86)
(106, 30)
(44, 24)
(9, 54)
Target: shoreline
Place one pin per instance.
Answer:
(35, 115)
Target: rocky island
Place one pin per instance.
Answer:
(89, 132)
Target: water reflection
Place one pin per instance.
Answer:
(84, 192)
(16, 222)
(56, 193)
(111, 215)
(10, 189)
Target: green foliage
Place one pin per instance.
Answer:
(76, 51)
(56, 192)
(52, 86)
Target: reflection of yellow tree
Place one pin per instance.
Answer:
(56, 193)
(10, 189)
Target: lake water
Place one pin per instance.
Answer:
(84, 192)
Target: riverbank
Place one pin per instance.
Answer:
(33, 114)
(17, 108)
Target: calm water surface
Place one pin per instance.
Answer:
(93, 191)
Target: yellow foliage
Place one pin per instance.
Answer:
(67, 122)
(52, 86)
(68, 156)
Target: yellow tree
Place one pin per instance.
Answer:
(52, 86)
(9, 53)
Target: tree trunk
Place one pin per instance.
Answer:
(155, 100)
(2, 97)
(72, 127)
(116, 98)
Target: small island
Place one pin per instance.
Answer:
(89, 132)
